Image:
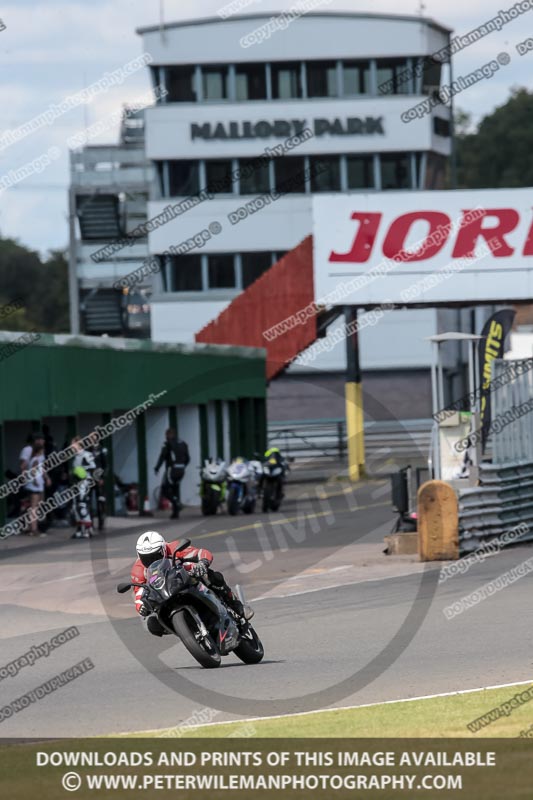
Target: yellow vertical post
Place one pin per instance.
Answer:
(360, 426)
(350, 392)
(354, 399)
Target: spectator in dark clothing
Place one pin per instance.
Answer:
(49, 444)
(54, 474)
(175, 456)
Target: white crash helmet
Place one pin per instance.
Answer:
(150, 547)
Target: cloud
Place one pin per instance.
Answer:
(53, 49)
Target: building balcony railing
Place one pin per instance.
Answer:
(107, 273)
(106, 166)
(128, 254)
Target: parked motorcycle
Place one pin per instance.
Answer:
(256, 468)
(273, 479)
(241, 487)
(213, 485)
(191, 611)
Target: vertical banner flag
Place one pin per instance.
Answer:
(495, 331)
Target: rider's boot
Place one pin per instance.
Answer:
(234, 603)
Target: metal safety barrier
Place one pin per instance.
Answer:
(503, 500)
(504, 497)
(324, 441)
(512, 420)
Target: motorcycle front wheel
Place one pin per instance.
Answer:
(267, 496)
(206, 651)
(233, 501)
(210, 501)
(250, 648)
(277, 496)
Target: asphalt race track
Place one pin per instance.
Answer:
(342, 624)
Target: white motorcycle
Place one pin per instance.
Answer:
(213, 486)
(241, 487)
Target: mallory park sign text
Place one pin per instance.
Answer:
(279, 128)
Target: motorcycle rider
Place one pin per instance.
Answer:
(151, 547)
(99, 456)
(98, 452)
(85, 459)
(275, 452)
(82, 504)
(175, 455)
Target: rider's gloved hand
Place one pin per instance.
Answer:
(198, 570)
(144, 611)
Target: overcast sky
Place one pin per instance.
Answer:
(53, 48)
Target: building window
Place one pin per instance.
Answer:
(290, 174)
(180, 84)
(253, 266)
(355, 78)
(215, 83)
(219, 176)
(394, 76)
(186, 273)
(435, 177)
(419, 167)
(250, 82)
(396, 171)
(322, 79)
(441, 127)
(254, 175)
(286, 81)
(183, 178)
(156, 79)
(431, 76)
(360, 172)
(159, 166)
(325, 173)
(221, 272)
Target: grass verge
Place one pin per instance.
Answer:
(435, 717)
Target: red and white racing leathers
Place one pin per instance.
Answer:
(192, 555)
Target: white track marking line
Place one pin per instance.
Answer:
(67, 578)
(345, 708)
(339, 585)
(282, 521)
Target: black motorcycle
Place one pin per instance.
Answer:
(189, 609)
(273, 479)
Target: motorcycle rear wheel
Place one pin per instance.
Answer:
(249, 507)
(206, 652)
(250, 648)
